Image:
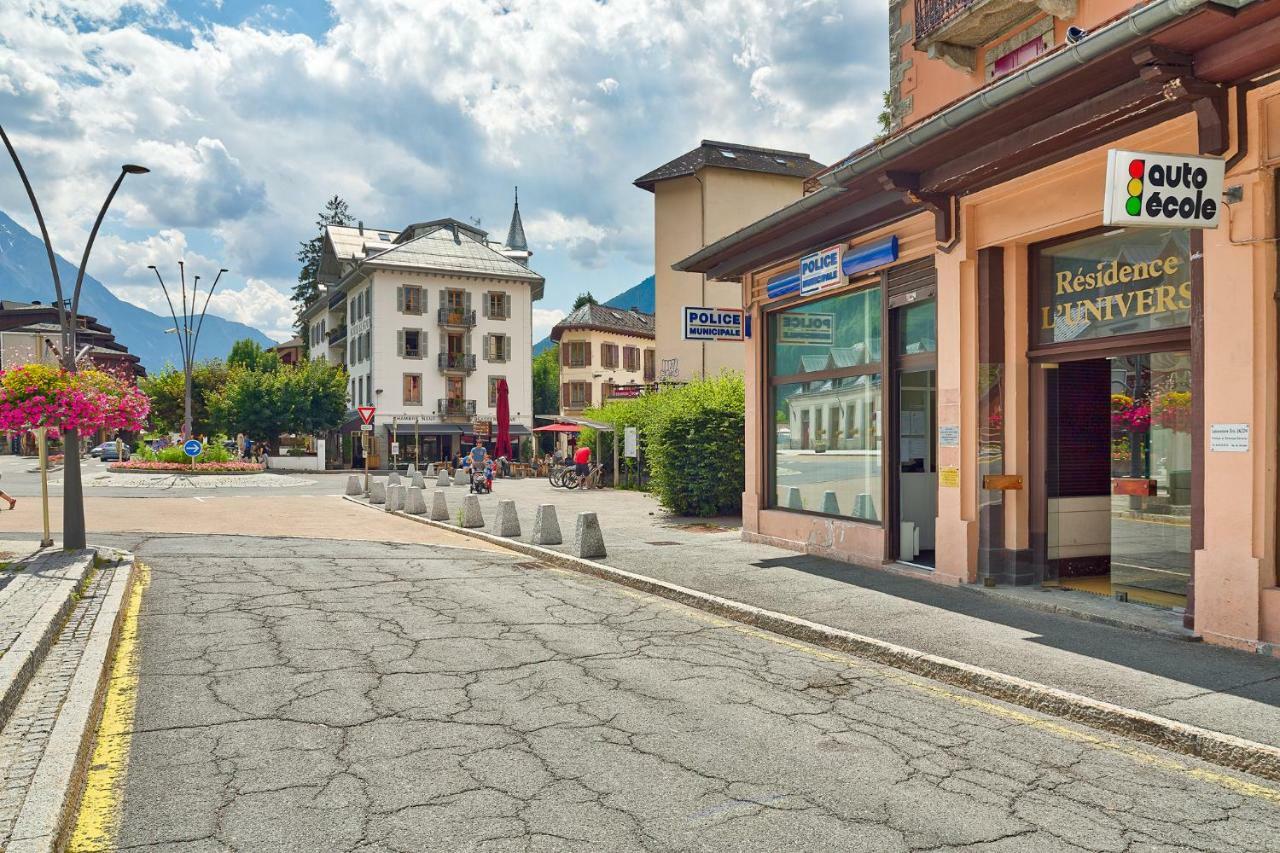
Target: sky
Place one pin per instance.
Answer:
(250, 115)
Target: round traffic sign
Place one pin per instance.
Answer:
(192, 448)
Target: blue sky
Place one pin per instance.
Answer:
(252, 114)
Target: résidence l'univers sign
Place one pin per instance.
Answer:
(1108, 292)
(1162, 190)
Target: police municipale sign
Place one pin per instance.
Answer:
(1162, 190)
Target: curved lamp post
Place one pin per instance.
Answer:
(73, 535)
(188, 334)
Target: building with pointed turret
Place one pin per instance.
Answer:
(427, 319)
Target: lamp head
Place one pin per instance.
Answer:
(151, 266)
(132, 169)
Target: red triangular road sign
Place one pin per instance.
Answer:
(366, 413)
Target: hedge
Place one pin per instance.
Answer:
(692, 438)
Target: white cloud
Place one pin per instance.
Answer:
(254, 303)
(410, 111)
(543, 320)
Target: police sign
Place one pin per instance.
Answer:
(713, 324)
(821, 269)
(1161, 190)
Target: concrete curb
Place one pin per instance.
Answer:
(1226, 750)
(49, 810)
(24, 657)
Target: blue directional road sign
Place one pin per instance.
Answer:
(192, 448)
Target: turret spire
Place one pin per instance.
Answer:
(515, 234)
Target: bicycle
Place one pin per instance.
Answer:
(573, 479)
(557, 475)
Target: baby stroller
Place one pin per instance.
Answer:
(481, 481)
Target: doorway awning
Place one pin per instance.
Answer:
(402, 428)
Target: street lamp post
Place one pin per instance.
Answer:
(73, 533)
(188, 331)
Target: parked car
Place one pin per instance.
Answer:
(107, 452)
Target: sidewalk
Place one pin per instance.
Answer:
(1216, 688)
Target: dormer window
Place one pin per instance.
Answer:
(724, 152)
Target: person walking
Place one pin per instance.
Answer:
(12, 501)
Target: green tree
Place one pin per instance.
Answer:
(308, 287)
(249, 354)
(309, 398)
(546, 381)
(584, 299)
(885, 119)
(166, 392)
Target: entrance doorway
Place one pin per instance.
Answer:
(1118, 476)
(914, 486)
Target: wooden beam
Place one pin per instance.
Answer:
(1081, 123)
(1247, 54)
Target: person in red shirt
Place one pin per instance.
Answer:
(582, 460)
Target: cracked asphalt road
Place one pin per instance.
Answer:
(327, 695)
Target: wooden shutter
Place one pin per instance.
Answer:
(914, 281)
(400, 343)
(564, 395)
(587, 346)
(506, 347)
(564, 353)
(466, 301)
(484, 305)
(587, 393)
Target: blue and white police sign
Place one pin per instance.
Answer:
(192, 448)
(820, 270)
(713, 324)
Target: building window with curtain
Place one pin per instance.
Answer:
(413, 389)
(824, 413)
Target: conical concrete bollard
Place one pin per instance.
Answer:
(471, 516)
(830, 505)
(460, 477)
(442, 479)
(378, 492)
(431, 470)
(588, 541)
(793, 500)
(416, 481)
(395, 498)
(415, 502)
(439, 506)
(506, 522)
(354, 486)
(411, 470)
(393, 479)
(546, 527)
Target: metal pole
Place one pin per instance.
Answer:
(47, 541)
(364, 442)
(615, 458)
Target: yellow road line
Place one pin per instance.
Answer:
(99, 816)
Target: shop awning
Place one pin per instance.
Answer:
(558, 428)
(428, 429)
(519, 429)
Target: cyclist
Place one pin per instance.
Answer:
(582, 461)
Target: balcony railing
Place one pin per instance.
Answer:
(932, 14)
(455, 317)
(336, 298)
(337, 336)
(457, 361)
(456, 408)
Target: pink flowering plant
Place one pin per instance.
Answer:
(187, 468)
(45, 395)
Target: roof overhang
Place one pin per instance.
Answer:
(1160, 61)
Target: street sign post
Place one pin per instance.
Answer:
(192, 448)
(366, 428)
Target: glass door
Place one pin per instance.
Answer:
(915, 394)
(1118, 477)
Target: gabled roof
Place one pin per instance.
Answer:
(730, 155)
(605, 318)
(447, 249)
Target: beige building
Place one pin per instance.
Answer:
(605, 353)
(698, 198)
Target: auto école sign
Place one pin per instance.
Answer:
(1162, 190)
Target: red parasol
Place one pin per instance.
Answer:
(503, 442)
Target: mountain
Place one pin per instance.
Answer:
(24, 277)
(640, 297)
